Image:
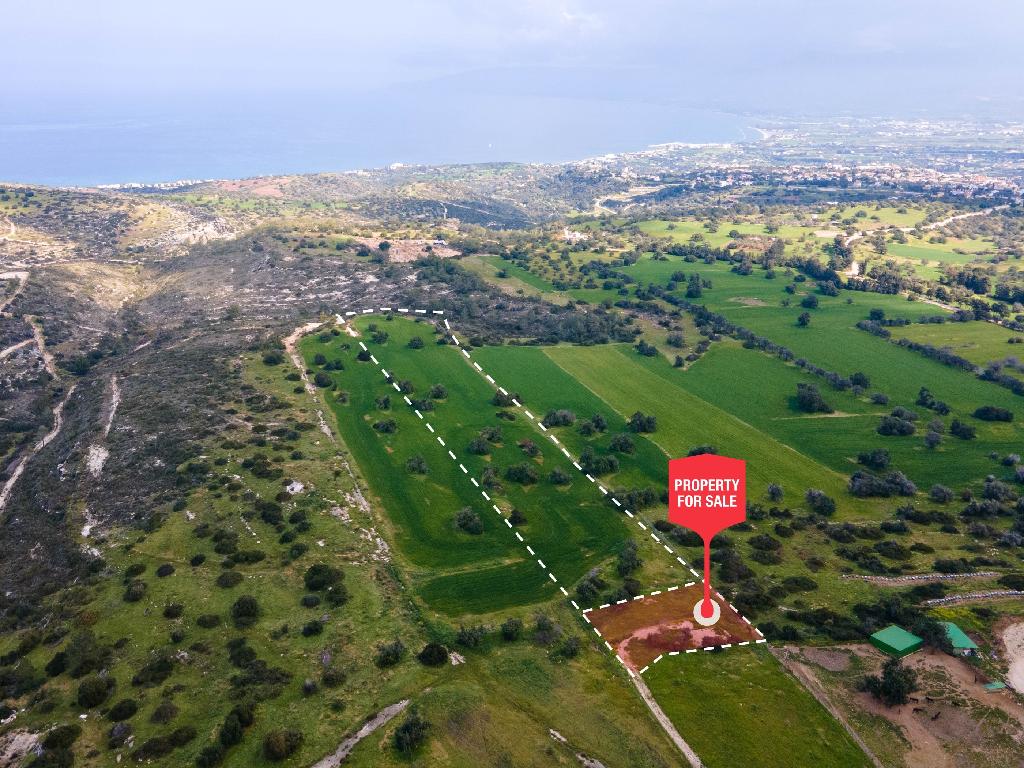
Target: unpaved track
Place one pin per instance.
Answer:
(58, 422)
(15, 347)
(665, 723)
(290, 343)
(21, 277)
(382, 718)
(934, 225)
(809, 680)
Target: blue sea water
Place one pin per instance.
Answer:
(85, 142)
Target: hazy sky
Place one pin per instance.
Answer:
(869, 56)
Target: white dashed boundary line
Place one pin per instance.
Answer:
(604, 491)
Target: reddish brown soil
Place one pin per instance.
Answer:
(641, 630)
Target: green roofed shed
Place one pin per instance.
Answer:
(896, 641)
(961, 642)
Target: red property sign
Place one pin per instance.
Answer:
(707, 493)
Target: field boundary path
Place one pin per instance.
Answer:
(810, 681)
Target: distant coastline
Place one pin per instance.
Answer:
(161, 144)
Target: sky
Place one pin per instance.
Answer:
(770, 56)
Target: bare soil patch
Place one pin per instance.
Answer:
(642, 629)
(749, 301)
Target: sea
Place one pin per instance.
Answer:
(133, 138)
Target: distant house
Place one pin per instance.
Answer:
(896, 641)
(962, 644)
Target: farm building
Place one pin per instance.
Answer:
(896, 641)
(962, 644)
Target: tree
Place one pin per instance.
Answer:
(933, 633)
(820, 502)
(809, 399)
(469, 521)
(622, 443)
(894, 686)
(804, 319)
(694, 289)
(629, 559)
(639, 422)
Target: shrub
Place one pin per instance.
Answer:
(993, 413)
(245, 611)
(559, 418)
(282, 743)
(62, 737)
(165, 712)
(877, 458)
(155, 671)
(523, 473)
(311, 628)
(94, 690)
(173, 610)
(321, 576)
(469, 522)
(559, 476)
(208, 620)
(333, 676)
(433, 655)
(962, 430)
(165, 570)
(417, 465)
(122, 710)
(640, 422)
(389, 654)
(229, 579)
(135, 591)
(516, 517)
(511, 629)
(411, 733)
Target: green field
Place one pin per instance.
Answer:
(570, 526)
(978, 341)
(743, 709)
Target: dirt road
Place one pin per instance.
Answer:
(1013, 639)
(665, 723)
(58, 422)
(383, 717)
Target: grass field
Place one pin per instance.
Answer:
(740, 708)
(833, 342)
(571, 526)
(979, 342)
